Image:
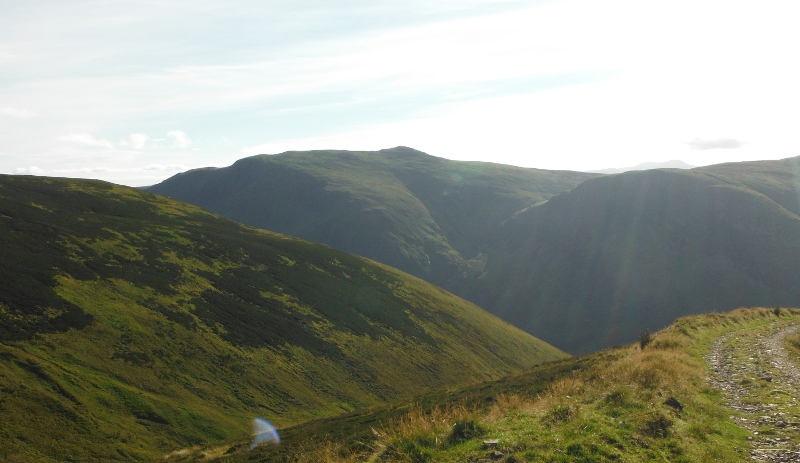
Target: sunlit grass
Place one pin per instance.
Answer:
(628, 405)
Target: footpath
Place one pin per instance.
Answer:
(762, 384)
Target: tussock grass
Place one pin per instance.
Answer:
(322, 452)
(627, 405)
(419, 422)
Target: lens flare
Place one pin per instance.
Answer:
(263, 432)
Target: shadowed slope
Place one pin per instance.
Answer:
(133, 325)
(589, 268)
(626, 253)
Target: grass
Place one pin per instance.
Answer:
(132, 326)
(622, 405)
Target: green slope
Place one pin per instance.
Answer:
(631, 252)
(132, 325)
(425, 215)
(645, 402)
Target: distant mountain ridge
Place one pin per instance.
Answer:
(631, 252)
(583, 261)
(673, 164)
(132, 325)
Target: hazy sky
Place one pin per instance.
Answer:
(136, 91)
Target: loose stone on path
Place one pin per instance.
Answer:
(761, 381)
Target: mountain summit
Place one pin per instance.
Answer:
(425, 215)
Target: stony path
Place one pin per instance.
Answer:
(761, 382)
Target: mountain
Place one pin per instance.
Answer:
(583, 262)
(424, 215)
(626, 253)
(132, 325)
(674, 164)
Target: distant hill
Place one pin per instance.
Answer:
(583, 261)
(621, 254)
(132, 325)
(425, 215)
(674, 164)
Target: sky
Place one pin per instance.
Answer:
(134, 92)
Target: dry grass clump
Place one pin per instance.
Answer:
(654, 370)
(419, 422)
(413, 436)
(630, 404)
(323, 452)
(559, 391)
(505, 404)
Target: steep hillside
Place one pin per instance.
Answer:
(621, 254)
(132, 325)
(425, 215)
(707, 388)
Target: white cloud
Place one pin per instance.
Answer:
(32, 170)
(165, 167)
(135, 141)
(5, 56)
(717, 143)
(181, 139)
(568, 84)
(86, 170)
(18, 113)
(86, 139)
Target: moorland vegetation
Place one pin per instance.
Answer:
(635, 403)
(132, 325)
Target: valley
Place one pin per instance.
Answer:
(475, 231)
(135, 327)
(582, 261)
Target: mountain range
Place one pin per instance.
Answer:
(132, 325)
(582, 261)
(673, 164)
(424, 215)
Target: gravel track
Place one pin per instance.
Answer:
(761, 381)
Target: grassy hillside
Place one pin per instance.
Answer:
(583, 263)
(425, 215)
(132, 325)
(617, 255)
(650, 401)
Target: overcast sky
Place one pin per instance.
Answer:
(136, 91)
